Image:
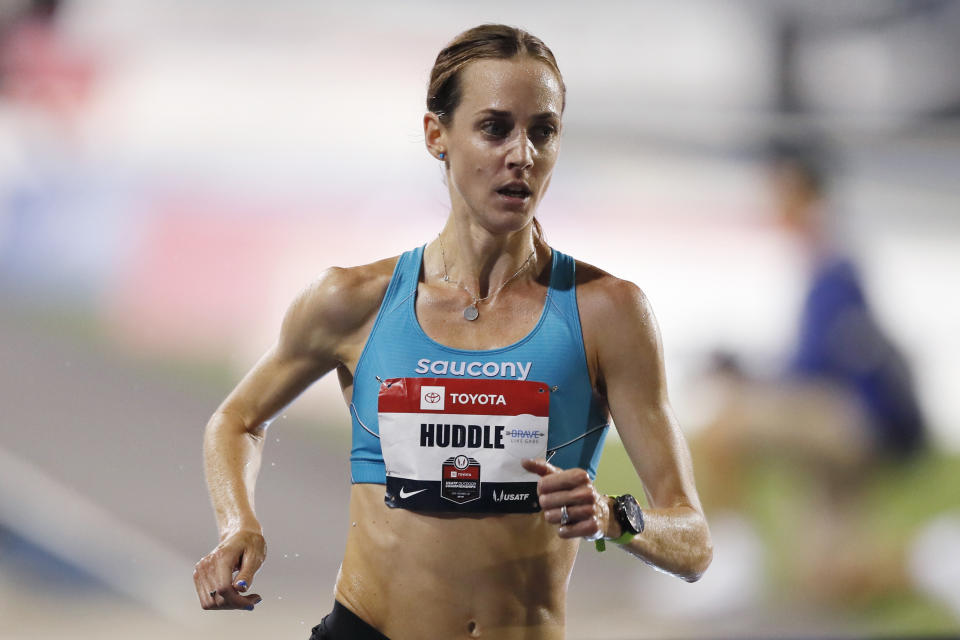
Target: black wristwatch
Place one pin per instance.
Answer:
(628, 514)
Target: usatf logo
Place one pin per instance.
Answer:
(503, 496)
(431, 398)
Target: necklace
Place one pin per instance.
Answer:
(472, 311)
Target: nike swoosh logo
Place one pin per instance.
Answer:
(404, 495)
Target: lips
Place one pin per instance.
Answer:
(518, 190)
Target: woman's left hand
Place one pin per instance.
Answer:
(588, 511)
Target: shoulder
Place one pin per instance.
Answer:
(339, 302)
(620, 332)
(836, 284)
(604, 298)
(341, 297)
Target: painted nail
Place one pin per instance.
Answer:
(242, 585)
(250, 608)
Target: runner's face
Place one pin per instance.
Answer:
(503, 141)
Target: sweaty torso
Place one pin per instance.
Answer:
(422, 576)
(437, 576)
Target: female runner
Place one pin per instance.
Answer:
(480, 372)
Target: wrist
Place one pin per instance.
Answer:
(624, 521)
(613, 529)
(249, 527)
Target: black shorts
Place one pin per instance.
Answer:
(343, 624)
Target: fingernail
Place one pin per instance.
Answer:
(242, 585)
(250, 608)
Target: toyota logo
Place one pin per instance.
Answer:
(432, 397)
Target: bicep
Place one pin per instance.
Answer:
(272, 384)
(303, 352)
(631, 362)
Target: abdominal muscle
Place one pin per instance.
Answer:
(424, 576)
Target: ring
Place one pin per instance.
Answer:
(564, 516)
(213, 594)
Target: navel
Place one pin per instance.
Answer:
(473, 629)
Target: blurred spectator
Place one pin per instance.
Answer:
(840, 341)
(844, 402)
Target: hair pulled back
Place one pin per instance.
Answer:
(497, 41)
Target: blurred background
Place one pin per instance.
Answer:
(781, 179)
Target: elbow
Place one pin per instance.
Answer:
(229, 421)
(700, 566)
(700, 561)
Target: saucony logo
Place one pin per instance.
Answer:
(475, 369)
(404, 495)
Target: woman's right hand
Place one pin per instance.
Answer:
(243, 551)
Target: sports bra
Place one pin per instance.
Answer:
(552, 353)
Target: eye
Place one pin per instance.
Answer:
(495, 128)
(544, 132)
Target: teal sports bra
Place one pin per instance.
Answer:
(552, 353)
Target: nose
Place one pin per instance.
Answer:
(520, 155)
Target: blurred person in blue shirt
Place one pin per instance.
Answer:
(845, 396)
(840, 340)
(843, 403)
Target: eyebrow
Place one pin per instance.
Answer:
(506, 114)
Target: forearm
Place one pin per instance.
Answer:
(232, 455)
(675, 540)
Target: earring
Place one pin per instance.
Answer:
(441, 155)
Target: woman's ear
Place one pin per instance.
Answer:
(434, 135)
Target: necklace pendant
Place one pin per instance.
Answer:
(471, 313)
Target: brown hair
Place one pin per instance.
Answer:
(486, 41)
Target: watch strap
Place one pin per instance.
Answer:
(601, 544)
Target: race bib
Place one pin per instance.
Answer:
(454, 444)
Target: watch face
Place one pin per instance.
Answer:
(631, 513)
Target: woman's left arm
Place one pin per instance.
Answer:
(624, 342)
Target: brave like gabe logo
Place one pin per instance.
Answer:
(432, 398)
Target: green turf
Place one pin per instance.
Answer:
(898, 498)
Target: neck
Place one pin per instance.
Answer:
(816, 234)
(482, 261)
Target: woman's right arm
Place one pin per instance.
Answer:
(321, 320)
